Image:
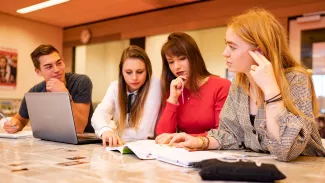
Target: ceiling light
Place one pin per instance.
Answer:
(40, 6)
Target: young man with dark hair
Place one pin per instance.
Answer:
(49, 64)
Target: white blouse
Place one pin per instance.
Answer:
(107, 112)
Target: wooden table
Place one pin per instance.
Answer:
(34, 160)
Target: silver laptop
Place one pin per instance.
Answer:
(51, 118)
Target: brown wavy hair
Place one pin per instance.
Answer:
(138, 105)
(181, 44)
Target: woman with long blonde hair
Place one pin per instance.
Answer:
(131, 105)
(271, 105)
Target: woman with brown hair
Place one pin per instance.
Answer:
(131, 105)
(271, 105)
(192, 97)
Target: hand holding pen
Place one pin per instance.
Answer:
(176, 89)
(10, 126)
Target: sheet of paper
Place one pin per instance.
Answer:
(119, 148)
(142, 148)
(182, 157)
(21, 134)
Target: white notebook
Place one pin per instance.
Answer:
(148, 149)
(142, 148)
(21, 134)
(184, 158)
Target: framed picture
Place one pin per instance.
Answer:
(8, 68)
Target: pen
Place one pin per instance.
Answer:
(182, 97)
(7, 119)
(182, 91)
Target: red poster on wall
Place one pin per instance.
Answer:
(8, 68)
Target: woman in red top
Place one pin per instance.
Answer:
(192, 97)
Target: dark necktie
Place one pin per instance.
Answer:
(129, 102)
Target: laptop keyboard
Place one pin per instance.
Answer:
(85, 136)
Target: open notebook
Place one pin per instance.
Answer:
(148, 149)
(142, 149)
(21, 134)
(184, 158)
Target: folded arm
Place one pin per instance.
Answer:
(294, 131)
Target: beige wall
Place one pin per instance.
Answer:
(24, 36)
(96, 70)
(153, 47)
(100, 62)
(210, 42)
(80, 59)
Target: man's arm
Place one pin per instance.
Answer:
(80, 115)
(16, 124)
(80, 110)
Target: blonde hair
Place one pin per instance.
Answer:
(261, 29)
(138, 104)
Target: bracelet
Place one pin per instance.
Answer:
(207, 143)
(273, 97)
(272, 101)
(203, 143)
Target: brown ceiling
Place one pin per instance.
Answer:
(75, 12)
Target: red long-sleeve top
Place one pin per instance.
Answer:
(199, 113)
